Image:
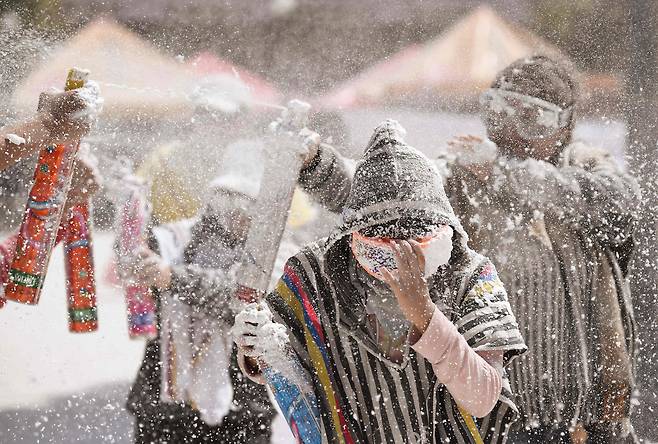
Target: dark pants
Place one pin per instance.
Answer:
(182, 425)
(596, 434)
(249, 421)
(540, 435)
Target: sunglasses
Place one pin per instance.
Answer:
(532, 118)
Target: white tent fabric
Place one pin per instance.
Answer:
(134, 76)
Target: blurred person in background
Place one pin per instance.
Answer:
(557, 216)
(189, 388)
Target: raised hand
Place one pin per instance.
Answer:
(145, 268)
(474, 154)
(409, 285)
(70, 115)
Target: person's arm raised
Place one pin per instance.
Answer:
(62, 116)
(473, 380)
(325, 174)
(590, 191)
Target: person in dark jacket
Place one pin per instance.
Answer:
(189, 388)
(558, 216)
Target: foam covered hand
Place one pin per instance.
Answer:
(469, 150)
(70, 115)
(292, 124)
(257, 335)
(474, 153)
(310, 142)
(145, 268)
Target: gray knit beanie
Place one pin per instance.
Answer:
(397, 192)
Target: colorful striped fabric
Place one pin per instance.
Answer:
(363, 396)
(291, 290)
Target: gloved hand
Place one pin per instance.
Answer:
(257, 335)
(70, 115)
(145, 268)
(292, 124)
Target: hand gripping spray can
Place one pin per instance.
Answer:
(43, 214)
(293, 391)
(80, 284)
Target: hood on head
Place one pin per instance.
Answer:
(396, 190)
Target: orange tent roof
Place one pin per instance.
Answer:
(208, 64)
(135, 78)
(456, 66)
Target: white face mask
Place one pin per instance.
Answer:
(438, 250)
(375, 254)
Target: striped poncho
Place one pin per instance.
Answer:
(365, 397)
(560, 234)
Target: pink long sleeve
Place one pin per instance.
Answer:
(473, 382)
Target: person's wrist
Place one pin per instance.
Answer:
(164, 278)
(424, 317)
(313, 151)
(50, 123)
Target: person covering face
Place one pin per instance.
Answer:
(402, 330)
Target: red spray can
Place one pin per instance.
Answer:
(43, 214)
(80, 284)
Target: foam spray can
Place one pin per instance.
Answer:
(78, 259)
(43, 213)
(133, 217)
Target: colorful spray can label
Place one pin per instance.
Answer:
(298, 405)
(80, 283)
(43, 214)
(141, 306)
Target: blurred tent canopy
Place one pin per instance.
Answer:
(206, 64)
(136, 79)
(451, 70)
